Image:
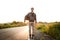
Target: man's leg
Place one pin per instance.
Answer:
(32, 29)
(29, 29)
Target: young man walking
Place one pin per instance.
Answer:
(31, 16)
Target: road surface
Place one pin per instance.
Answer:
(20, 33)
(17, 33)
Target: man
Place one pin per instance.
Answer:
(31, 16)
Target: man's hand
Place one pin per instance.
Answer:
(24, 21)
(35, 22)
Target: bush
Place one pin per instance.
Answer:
(41, 28)
(13, 24)
(52, 29)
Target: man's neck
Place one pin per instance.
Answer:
(32, 12)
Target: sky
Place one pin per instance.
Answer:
(15, 10)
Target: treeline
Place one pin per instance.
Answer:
(52, 29)
(12, 24)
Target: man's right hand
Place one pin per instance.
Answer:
(24, 21)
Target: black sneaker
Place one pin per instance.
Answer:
(32, 36)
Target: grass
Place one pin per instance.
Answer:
(12, 24)
(52, 29)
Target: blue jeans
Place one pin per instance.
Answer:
(31, 28)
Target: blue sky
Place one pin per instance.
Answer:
(46, 10)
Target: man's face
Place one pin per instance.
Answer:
(32, 9)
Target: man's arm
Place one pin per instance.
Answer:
(26, 17)
(24, 20)
(35, 19)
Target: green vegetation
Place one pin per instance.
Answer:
(52, 29)
(12, 24)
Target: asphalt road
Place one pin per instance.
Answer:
(17, 33)
(21, 33)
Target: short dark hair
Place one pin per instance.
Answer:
(32, 8)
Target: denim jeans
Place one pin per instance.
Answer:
(31, 27)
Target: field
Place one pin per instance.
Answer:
(52, 29)
(12, 24)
